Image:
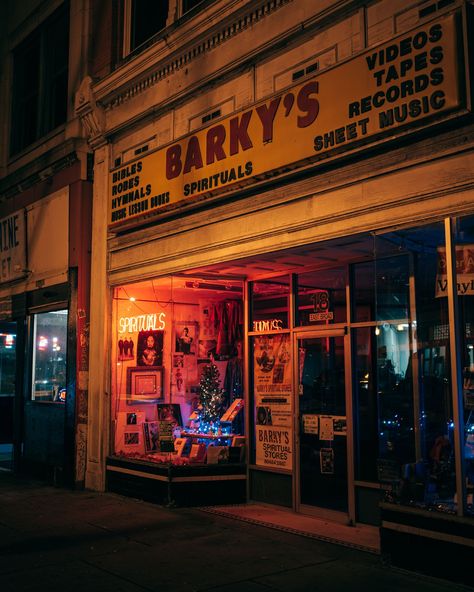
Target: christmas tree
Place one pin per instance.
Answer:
(210, 398)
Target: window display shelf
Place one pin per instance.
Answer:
(177, 485)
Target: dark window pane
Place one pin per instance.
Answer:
(148, 18)
(25, 94)
(190, 4)
(56, 43)
(270, 304)
(40, 80)
(363, 292)
(322, 297)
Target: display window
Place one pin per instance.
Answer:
(403, 389)
(49, 356)
(177, 371)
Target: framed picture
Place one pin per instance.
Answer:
(185, 337)
(126, 348)
(150, 348)
(144, 385)
(170, 412)
(131, 438)
(150, 435)
(206, 349)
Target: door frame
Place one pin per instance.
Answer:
(348, 517)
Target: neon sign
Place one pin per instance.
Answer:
(270, 325)
(145, 322)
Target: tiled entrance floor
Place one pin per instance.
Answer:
(363, 537)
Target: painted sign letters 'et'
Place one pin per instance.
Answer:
(12, 247)
(406, 83)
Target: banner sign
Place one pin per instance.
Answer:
(464, 271)
(404, 82)
(12, 247)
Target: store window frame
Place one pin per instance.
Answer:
(39, 85)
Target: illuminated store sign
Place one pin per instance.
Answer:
(145, 322)
(270, 325)
(405, 82)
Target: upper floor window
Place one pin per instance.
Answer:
(40, 80)
(188, 5)
(146, 18)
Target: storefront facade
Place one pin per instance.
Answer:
(45, 232)
(292, 281)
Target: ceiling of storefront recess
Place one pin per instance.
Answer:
(321, 255)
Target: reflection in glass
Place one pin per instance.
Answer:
(322, 412)
(384, 401)
(270, 304)
(49, 356)
(322, 297)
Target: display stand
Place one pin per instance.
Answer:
(177, 485)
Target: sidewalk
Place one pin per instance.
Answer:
(59, 540)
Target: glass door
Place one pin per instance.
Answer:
(323, 481)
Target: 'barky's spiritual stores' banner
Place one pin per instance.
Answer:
(406, 81)
(273, 388)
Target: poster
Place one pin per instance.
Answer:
(326, 427)
(310, 424)
(326, 457)
(464, 271)
(274, 447)
(273, 399)
(272, 365)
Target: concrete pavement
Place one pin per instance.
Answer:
(55, 539)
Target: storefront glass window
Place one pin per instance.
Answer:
(322, 297)
(380, 287)
(464, 237)
(270, 304)
(49, 356)
(383, 392)
(421, 471)
(178, 372)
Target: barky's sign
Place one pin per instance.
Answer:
(405, 82)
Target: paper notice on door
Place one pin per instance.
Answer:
(310, 424)
(327, 461)
(326, 427)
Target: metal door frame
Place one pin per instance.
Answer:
(334, 515)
